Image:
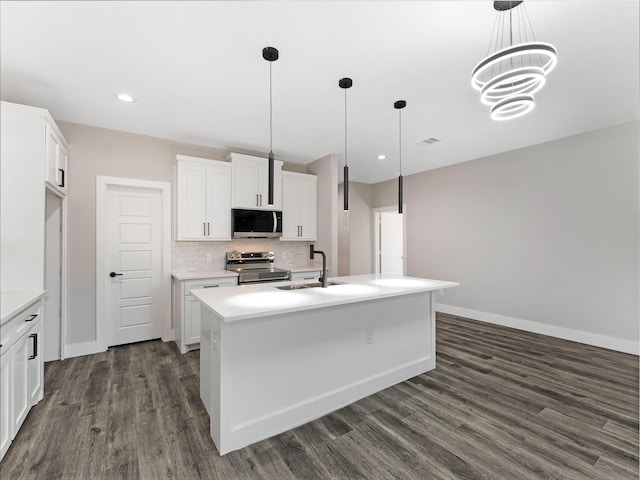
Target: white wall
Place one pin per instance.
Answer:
(355, 230)
(545, 238)
(96, 151)
(326, 169)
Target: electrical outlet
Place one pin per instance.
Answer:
(441, 292)
(214, 340)
(368, 336)
(209, 257)
(284, 255)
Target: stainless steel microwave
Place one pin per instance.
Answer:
(256, 223)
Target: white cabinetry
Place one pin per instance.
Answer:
(35, 363)
(250, 183)
(299, 206)
(203, 203)
(21, 370)
(5, 401)
(55, 160)
(187, 308)
(305, 275)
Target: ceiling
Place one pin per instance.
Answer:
(197, 73)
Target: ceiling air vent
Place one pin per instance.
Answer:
(428, 141)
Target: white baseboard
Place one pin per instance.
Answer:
(80, 349)
(595, 339)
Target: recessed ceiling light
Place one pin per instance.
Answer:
(125, 98)
(381, 157)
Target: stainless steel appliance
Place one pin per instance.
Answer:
(254, 267)
(256, 223)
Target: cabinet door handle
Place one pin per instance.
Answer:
(300, 230)
(31, 318)
(208, 229)
(204, 228)
(257, 200)
(260, 200)
(35, 345)
(62, 172)
(211, 286)
(114, 274)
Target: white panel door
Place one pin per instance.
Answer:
(134, 252)
(391, 243)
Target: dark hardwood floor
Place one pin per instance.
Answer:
(501, 404)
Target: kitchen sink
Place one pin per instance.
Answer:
(300, 286)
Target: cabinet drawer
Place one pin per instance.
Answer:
(209, 283)
(6, 336)
(21, 322)
(311, 275)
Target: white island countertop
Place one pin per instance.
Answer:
(252, 301)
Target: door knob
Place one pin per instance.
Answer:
(113, 274)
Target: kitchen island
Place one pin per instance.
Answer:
(272, 359)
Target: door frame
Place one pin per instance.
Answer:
(376, 236)
(103, 184)
(63, 268)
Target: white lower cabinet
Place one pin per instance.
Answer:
(305, 275)
(20, 387)
(5, 401)
(186, 311)
(35, 363)
(21, 370)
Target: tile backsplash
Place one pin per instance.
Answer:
(192, 256)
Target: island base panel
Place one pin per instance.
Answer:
(263, 376)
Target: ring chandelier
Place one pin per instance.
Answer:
(508, 78)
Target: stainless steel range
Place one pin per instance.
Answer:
(254, 267)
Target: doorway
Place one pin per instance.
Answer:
(54, 304)
(133, 260)
(389, 241)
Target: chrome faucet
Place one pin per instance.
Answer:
(312, 252)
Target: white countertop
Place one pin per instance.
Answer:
(200, 275)
(12, 302)
(252, 301)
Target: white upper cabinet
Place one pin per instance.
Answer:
(299, 206)
(30, 138)
(55, 161)
(203, 199)
(250, 183)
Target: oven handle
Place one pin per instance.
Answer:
(275, 222)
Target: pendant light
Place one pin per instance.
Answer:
(399, 105)
(270, 54)
(345, 83)
(508, 77)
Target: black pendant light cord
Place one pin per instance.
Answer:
(346, 163)
(270, 111)
(400, 136)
